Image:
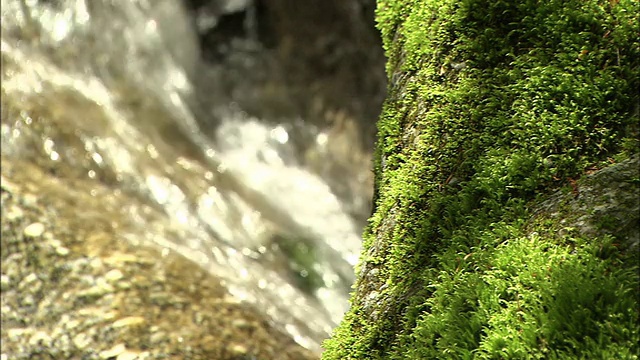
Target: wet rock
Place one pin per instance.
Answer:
(34, 230)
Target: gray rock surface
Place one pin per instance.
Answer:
(606, 202)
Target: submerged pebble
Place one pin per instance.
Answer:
(114, 351)
(128, 321)
(62, 251)
(113, 275)
(40, 338)
(13, 213)
(4, 281)
(128, 355)
(34, 230)
(81, 340)
(239, 349)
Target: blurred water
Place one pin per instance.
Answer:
(100, 90)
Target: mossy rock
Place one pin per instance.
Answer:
(302, 257)
(494, 109)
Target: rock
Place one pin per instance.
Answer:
(113, 352)
(129, 321)
(34, 230)
(491, 237)
(114, 275)
(607, 203)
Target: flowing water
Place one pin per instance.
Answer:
(102, 91)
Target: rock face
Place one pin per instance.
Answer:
(319, 63)
(315, 58)
(501, 228)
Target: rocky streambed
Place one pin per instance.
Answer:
(74, 288)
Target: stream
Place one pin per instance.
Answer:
(117, 93)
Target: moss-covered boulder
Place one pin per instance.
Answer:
(489, 239)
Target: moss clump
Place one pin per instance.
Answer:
(303, 257)
(492, 105)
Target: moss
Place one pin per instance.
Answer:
(303, 257)
(493, 105)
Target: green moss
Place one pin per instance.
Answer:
(527, 297)
(491, 106)
(303, 257)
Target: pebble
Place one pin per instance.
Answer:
(30, 278)
(127, 355)
(29, 199)
(119, 259)
(4, 281)
(14, 213)
(241, 324)
(81, 341)
(28, 300)
(239, 349)
(40, 338)
(96, 263)
(108, 315)
(98, 290)
(34, 230)
(71, 324)
(15, 334)
(113, 275)
(62, 251)
(113, 352)
(55, 243)
(128, 321)
(10, 187)
(157, 336)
